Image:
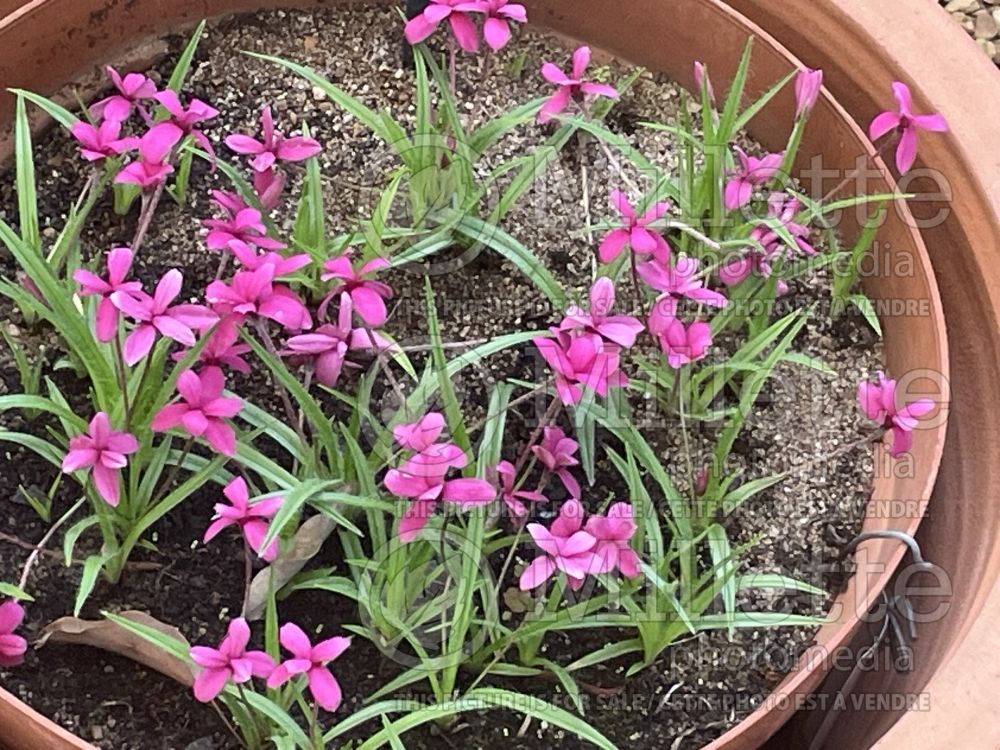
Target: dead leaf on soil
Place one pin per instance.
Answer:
(305, 545)
(108, 636)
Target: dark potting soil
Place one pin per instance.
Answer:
(698, 688)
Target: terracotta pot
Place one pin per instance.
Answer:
(47, 43)
(864, 45)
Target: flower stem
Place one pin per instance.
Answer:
(33, 557)
(165, 486)
(247, 574)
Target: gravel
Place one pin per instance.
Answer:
(981, 18)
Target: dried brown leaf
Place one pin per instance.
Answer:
(108, 636)
(306, 543)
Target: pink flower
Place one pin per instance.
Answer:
(684, 345)
(12, 646)
(367, 294)
(613, 533)
(203, 410)
(311, 661)
(499, 15)
(511, 496)
(784, 208)
(231, 203)
(274, 147)
(571, 88)
(677, 281)
(556, 454)
(188, 119)
(566, 547)
(701, 79)
(618, 329)
(907, 124)
(635, 233)
(252, 520)
(231, 662)
(879, 403)
(750, 173)
(156, 315)
(103, 450)
(244, 229)
(254, 293)
(422, 434)
(103, 141)
(222, 349)
(269, 186)
(456, 12)
(132, 89)
(583, 360)
(119, 264)
(329, 344)
(154, 148)
(807, 87)
(282, 265)
(422, 478)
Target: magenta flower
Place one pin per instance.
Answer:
(678, 281)
(572, 87)
(119, 264)
(566, 547)
(511, 496)
(684, 345)
(156, 315)
(132, 89)
(188, 119)
(103, 451)
(807, 87)
(103, 141)
(231, 203)
(231, 662)
(783, 208)
(12, 646)
(368, 295)
(422, 478)
(618, 329)
(244, 229)
(750, 173)
(311, 661)
(274, 147)
(556, 453)
(879, 403)
(269, 186)
(635, 233)
(906, 124)
(614, 533)
(254, 293)
(583, 360)
(252, 520)
(282, 265)
(203, 410)
(222, 349)
(499, 15)
(329, 344)
(420, 435)
(456, 12)
(701, 79)
(155, 147)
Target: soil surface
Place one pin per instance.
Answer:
(699, 688)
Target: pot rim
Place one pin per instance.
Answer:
(761, 723)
